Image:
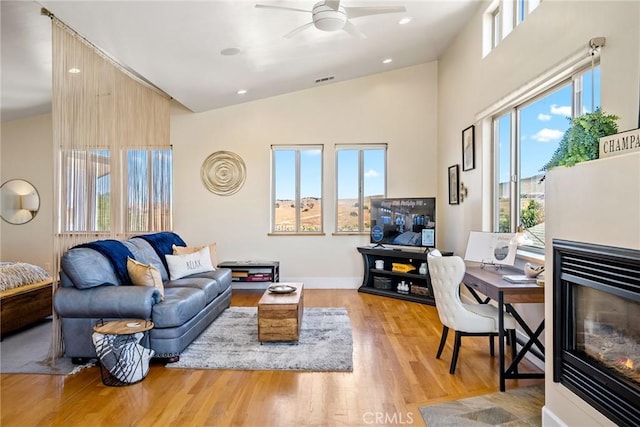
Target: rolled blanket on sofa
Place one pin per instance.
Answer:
(163, 243)
(116, 252)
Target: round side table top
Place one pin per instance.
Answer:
(123, 327)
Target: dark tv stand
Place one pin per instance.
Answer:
(421, 290)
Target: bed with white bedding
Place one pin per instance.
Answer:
(25, 295)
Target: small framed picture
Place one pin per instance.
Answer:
(469, 148)
(454, 187)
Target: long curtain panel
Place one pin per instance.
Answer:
(112, 156)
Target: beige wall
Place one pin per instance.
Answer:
(26, 153)
(398, 107)
(615, 183)
(468, 84)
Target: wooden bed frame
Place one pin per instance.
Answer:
(25, 305)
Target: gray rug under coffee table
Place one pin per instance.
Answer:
(231, 342)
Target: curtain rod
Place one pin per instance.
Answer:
(130, 73)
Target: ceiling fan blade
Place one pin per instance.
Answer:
(354, 31)
(333, 4)
(297, 30)
(268, 6)
(357, 12)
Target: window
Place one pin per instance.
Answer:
(523, 8)
(89, 191)
(501, 17)
(496, 27)
(360, 174)
(525, 138)
(297, 189)
(149, 182)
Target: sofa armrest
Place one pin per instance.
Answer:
(106, 302)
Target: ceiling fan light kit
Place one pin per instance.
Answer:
(327, 19)
(329, 15)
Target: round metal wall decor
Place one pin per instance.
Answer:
(223, 173)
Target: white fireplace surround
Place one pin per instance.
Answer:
(592, 202)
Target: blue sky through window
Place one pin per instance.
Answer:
(542, 125)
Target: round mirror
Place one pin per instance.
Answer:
(19, 201)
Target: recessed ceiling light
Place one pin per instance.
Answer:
(241, 92)
(74, 70)
(387, 61)
(230, 51)
(405, 20)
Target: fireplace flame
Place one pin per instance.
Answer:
(626, 362)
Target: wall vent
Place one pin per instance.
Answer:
(325, 79)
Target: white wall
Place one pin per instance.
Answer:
(614, 184)
(398, 107)
(468, 84)
(26, 153)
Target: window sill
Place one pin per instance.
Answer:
(530, 256)
(318, 233)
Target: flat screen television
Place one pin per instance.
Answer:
(409, 221)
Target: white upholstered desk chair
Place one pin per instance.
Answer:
(465, 319)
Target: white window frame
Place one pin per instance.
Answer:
(297, 149)
(525, 99)
(361, 197)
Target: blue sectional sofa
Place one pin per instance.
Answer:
(93, 289)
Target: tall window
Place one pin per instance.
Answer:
(297, 189)
(525, 138)
(360, 174)
(89, 190)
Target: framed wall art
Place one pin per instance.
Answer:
(469, 148)
(454, 188)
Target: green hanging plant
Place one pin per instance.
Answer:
(580, 142)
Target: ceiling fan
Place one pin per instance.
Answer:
(330, 15)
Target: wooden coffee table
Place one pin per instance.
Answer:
(280, 315)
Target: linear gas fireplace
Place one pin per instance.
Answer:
(596, 332)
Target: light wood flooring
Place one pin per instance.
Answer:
(395, 372)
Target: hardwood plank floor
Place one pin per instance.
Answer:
(395, 372)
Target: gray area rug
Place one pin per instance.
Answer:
(231, 342)
(26, 352)
(521, 407)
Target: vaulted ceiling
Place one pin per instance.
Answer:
(203, 52)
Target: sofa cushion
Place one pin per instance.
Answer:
(143, 252)
(221, 275)
(180, 304)
(145, 275)
(209, 286)
(180, 250)
(88, 268)
(188, 264)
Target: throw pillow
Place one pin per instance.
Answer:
(180, 250)
(187, 264)
(145, 275)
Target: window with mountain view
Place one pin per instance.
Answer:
(521, 155)
(297, 189)
(360, 175)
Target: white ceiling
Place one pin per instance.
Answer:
(176, 46)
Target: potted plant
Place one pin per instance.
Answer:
(580, 142)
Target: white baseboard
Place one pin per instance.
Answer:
(549, 419)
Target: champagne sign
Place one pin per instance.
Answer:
(620, 143)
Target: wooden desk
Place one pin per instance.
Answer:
(489, 282)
